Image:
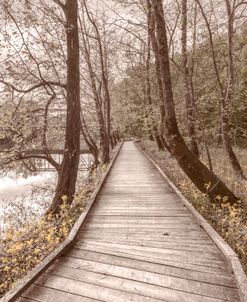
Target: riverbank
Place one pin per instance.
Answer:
(24, 248)
(25, 197)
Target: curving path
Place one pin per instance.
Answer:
(138, 243)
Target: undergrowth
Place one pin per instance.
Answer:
(24, 247)
(230, 221)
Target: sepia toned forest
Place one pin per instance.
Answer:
(80, 76)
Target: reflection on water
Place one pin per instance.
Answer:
(13, 186)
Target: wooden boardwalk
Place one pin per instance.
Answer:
(138, 243)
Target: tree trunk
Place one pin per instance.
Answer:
(225, 94)
(200, 175)
(68, 172)
(151, 33)
(188, 98)
(159, 142)
(228, 97)
(107, 99)
(90, 142)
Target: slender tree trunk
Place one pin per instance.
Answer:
(200, 175)
(225, 94)
(90, 142)
(187, 89)
(107, 98)
(159, 142)
(68, 172)
(228, 97)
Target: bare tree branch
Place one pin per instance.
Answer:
(42, 84)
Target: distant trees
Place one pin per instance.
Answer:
(29, 89)
(39, 82)
(207, 55)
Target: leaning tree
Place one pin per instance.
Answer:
(200, 175)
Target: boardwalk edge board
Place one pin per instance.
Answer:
(25, 282)
(231, 257)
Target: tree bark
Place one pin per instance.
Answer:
(69, 168)
(154, 45)
(200, 175)
(187, 87)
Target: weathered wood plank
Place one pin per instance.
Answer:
(92, 291)
(191, 247)
(158, 232)
(204, 276)
(96, 218)
(133, 237)
(168, 254)
(46, 294)
(181, 284)
(171, 256)
(159, 260)
(131, 286)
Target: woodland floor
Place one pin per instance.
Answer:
(229, 222)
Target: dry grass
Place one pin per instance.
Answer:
(229, 221)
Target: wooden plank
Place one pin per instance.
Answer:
(147, 227)
(152, 253)
(144, 214)
(100, 218)
(45, 294)
(131, 286)
(148, 250)
(157, 232)
(181, 284)
(142, 237)
(190, 274)
(149, 233)
(205, 249)
(158, 260)
(92, 291)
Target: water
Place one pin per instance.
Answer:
(12, 187)
(23, 198)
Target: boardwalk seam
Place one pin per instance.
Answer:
(231, 257)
